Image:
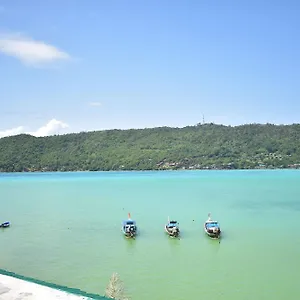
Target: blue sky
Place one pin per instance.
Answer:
(69, 66)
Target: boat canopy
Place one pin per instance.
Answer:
(129, 222)
(172, 224)
(212, 224)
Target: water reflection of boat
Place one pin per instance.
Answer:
(129, 227)
(212, 228)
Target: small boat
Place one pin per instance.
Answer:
(5, 224)
(129, 227)
(172, 228)
(212, 228)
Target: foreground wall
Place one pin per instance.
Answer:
(17, 287)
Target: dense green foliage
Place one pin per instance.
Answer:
(194, 147)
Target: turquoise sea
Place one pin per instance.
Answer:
(66, 229)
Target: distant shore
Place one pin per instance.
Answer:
(154, 170)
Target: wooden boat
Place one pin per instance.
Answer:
(212, 228)
(129, 227)
(172, 228)
(5, 224)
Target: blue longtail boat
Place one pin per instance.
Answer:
(172, 228)
(212, 228)
(129, 227)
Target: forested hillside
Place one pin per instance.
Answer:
(206, 146)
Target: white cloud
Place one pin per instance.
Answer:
(13, 131)
(52, 127)
(95, 103)
(29, 51)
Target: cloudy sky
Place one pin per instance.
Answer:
(69, 66)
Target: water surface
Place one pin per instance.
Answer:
(66, 230)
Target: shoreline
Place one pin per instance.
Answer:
(154, 170)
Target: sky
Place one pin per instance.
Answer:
(71, 66)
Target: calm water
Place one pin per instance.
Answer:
(66, 230)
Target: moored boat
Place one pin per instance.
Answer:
(5, 224)
(129, 227)
(172, 228)
(212, 228)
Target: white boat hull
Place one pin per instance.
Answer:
(171, 232)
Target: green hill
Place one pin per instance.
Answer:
(206, 146)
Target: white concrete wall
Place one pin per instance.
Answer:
(16, 289)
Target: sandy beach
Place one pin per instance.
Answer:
(17, 289)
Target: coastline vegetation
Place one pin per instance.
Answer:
(203, 146)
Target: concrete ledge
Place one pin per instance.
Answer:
(17, 289)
